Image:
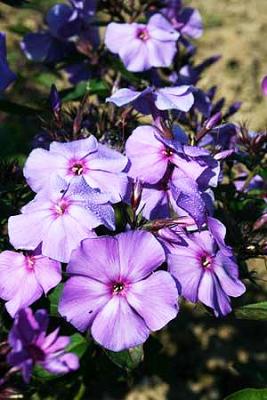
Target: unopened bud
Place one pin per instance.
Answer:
(260, 223)
(264, 86)
(54, 100)
(136, 194)
(213, 121)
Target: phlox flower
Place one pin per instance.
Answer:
(59, 218)
(114, 291)
(31, 346)
(141, 46)
(205, 273)
(150, 100)
(100, 166)
(24, 278)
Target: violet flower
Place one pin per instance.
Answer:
(141, 46)
(205, 273)
(6, 75)
(59, 218)
(64, 24)
(100, 166)
(24, 278)
(31, 346)
(114, 291)
(264, 86)
(150, 100)
(186, 20)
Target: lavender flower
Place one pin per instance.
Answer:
(205, 273)
(24, 278)
(64, 22)
(59, 218)
(100, 166)
(140, 46)
(150, 100)
(6, 75)
(186, 20)
(31, 346)
(113, 292)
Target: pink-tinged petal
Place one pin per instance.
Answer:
(28, 292)
(178, 98)
(155, 299)
(12, 272)
(97, 259)
(115, 185)
(146, 154)
(119, 35)
(75, 149)
(58, 345)
(140, 254)
(231, 285)
(39, 167)
(188, 272)
(26, 230)
(161, 29)
(81, 300)
(135, 55)
(45, 341)
(160, 54)
(47, 272)
(62, 364)
(117, 327)
(154, 203)
(123, 96)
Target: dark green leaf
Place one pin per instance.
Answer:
(18, 109)
(54, 299)
(78, 345)
(257, 311)
(93, 86)
(248, 394)
(128, 359)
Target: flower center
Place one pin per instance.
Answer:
(77, 167)
(142, 34)
(60, 207)
(35, 352)
(167, 153)
(30, 262)
(117, 287)
(206, 261)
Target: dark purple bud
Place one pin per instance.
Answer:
(136, 194)
(213, 121)
(233, 109)
(218, 106)
(264, 86)
(54, 100)
(211, 92)
(260, 223)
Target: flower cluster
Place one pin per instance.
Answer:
(127, 229)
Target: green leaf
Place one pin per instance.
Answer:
(53, 298)
(248, 394)
(93, 86)
(128, 359)
(18, 109)
(78, 345)
(257, 311)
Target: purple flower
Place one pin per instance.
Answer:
(24, 278)
(100, 166)
(6, 75)
(65, 23)
(140, 46)
(150, 100)
(150, 155)
(205, 273)
(60, 217)
(31, 346)
(264, 86)
(186, 20)
(114, 291)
